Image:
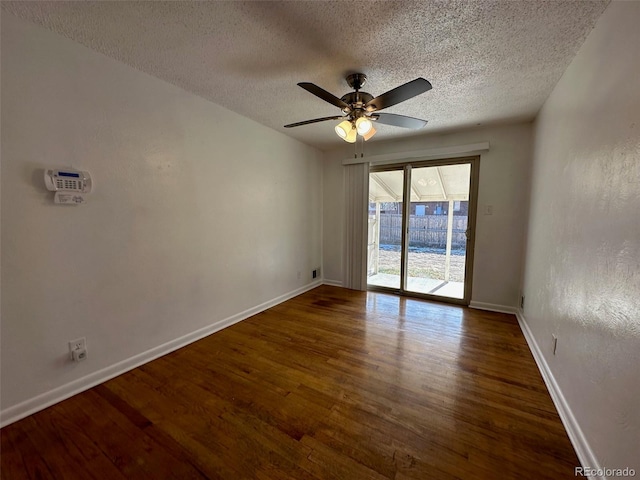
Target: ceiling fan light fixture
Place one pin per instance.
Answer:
(352, 135)
(363, 125)
(369, 134)
(343, 129)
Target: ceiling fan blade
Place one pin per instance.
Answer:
(323, 94)
(315, 120)
(398, 120)
(398, 94)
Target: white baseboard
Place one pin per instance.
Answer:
(42, 401)
(333, 283)
(578, 440)
(492, 307)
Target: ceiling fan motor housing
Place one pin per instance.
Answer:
(356, 101)
(356, 80)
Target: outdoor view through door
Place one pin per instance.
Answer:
(430, 258)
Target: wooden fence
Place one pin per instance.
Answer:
(424, 230)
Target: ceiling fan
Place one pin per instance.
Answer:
(360, 109)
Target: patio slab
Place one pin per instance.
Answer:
(419, 285)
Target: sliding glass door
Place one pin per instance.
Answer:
(421, 228)
(385, 239)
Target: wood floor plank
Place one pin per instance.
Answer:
(67, 450)
(19, 457)
(332, 384)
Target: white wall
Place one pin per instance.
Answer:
(197, 215)
(504, 180)
(582, 278)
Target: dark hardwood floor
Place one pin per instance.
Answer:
(331, 384)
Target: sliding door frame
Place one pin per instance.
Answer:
(406, 167)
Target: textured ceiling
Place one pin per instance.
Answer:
(488, 61)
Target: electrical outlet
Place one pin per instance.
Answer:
(79, 355)
(555, 343)
(78, 349)
(299, 274)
